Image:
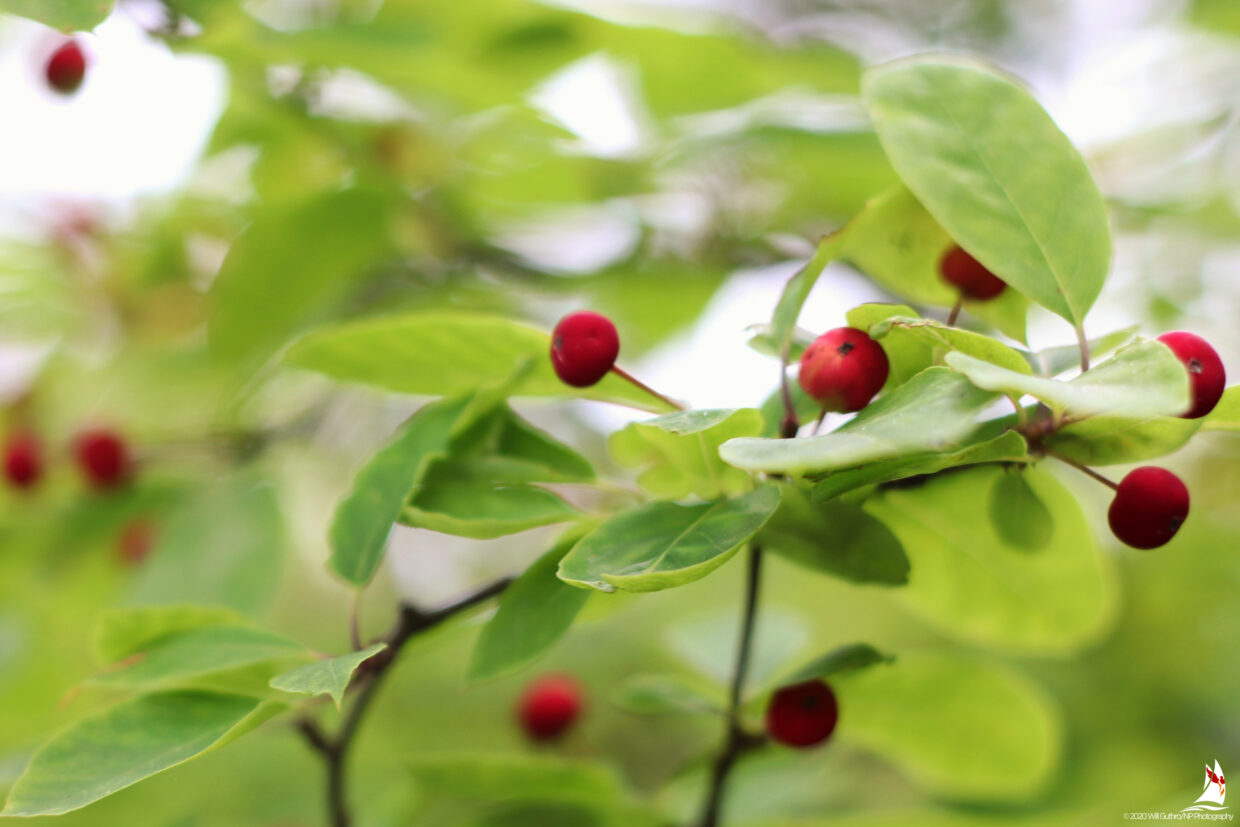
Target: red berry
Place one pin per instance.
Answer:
(967, 273)
(843, 369)
(1149, 507)
(549, 707)
(584, 346)
(1205, 370)
(802, 715)
(66, 68)
(23, 459)
(103, 457)
(135, 542)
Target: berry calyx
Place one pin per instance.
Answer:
(802, 715)
(1205, 370)
(549, 707)
(66, 68)
(843, 369)
(135, 542)
(1149, 507)
(968, 274)
(584, 347)
(103, 457)
(23, 460)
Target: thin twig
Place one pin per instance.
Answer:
(628, 377)
(1084, 469)
(1083, 343)
(737, 740)
(955, 314)
(355, 621)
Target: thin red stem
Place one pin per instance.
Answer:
(1084, 469)
(628, 377)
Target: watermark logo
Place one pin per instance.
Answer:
(1213, 795)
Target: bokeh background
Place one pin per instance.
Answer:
(665, 163)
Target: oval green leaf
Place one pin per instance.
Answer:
(1114, 440)
(193, 653)
(330, 676)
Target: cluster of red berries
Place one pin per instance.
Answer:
(66, 68)
(101, 455)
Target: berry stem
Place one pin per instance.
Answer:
(628, 377)
(411, 622)
(1083, 343)
(790, 425)
(737, 739)
(955, 314)
(1084, 469)
(355, 621)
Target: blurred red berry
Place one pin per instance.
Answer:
(843, 369)
(1205, 370)
(66, 68)
(23, 459)
(1149, 507)
(802, 715)
(549, 707)
(103, 457)
(968, 274)
(584, 347)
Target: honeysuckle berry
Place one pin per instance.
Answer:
(802, 715)
(843, 369)
(584, 347)
(549, 707)
(1206, 376)
(103, 457)
(1149, 507)
(23, 459)
(66, 68)
(969, 275)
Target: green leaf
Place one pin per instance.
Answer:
(365, 516)
(109, 751)
(491, 776)
(970, 582)
(843, 659)
(997, 174)
(796, 291)
(268, 288)
(835, 538)
(940, 336)
(993, 734)
(192, 653)
(66, 15)
(1007, 447)
(763, 341)
(933, 411)
(1018, 517)
(682, 452)
(1055, 360)
(1226, 415)
(447, 354)
(330, 676)
(534, 612)
(479, 509)
(1141, 380)
(662, 545)
(121, 632)
(1114, 440)
(667, 695)
(503, 447)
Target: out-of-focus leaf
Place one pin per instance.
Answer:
(840, 660)
(707, 643)
(178, 657)
(121, 632)
(1055, 360)
(1112, 440)
(941, 337)
(667, 695)
(1018, 517)
(330, 676)
(1226, 415)
(66, 15)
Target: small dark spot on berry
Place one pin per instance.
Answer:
(558, 342)
(1174, 523)
(809, 702)
(845, 349)
(1194, 366)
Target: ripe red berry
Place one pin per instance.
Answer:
(66, 68)
(1205, 370)
(549, 707)
(103, 457)
(136, 540)
(1149, 507)
(802, 715)
(843, 369)
(967, 273)
(584, 346)
(23, 459)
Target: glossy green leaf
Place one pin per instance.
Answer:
(534, 612)
(993, 735)
(838, 661)
(940, 337)
(933, 411)
(1141, 380)
(181, 656)
(1226, 415)
(999, 176)
(667, 695)
(835, 538)
(121, 632)
(1007, 447)
(969, 581)
(662, 545)
(121, 746)
(1114, 440)
(1018, 516)
(66, 15)
(446, 354)
(681, 452)
(365, 516)
(330, 676)
(268, 288)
